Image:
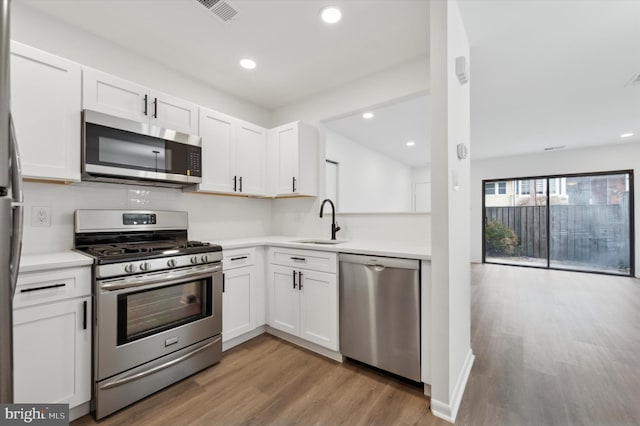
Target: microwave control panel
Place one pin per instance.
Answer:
(194, 162)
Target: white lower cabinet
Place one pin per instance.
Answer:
(238, 302)
(304, 302)
(243, 294)
(52, 353)
(52, 337)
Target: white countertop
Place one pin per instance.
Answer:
(57, 260)
(404, 249)
(408, 250)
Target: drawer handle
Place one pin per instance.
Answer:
(239, 258)
(46, 287)
(301, 259)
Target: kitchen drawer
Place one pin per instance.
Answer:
(304, 259)
(53, 285)
(238, 258)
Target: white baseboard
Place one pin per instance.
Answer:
(336, 356)
(79, 411)
(243, 338)
(449, 411)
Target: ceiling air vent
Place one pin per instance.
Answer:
(220, 8)
(635, 81)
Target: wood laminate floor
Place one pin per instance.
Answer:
(552, 348)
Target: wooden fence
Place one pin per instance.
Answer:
(597, 235)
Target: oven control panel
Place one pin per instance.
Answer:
(158, 264)
(139, 219)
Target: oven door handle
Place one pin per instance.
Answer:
(136, 376)
(154, 280)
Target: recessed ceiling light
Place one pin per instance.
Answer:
(367, 115)
(248, 63)
(411, 143)
(331, 14)
(626, 135)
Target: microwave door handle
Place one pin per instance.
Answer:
(17, 216)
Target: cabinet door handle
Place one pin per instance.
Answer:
(294, 183)
(223, 283)
(294, 279)
(84, 315)
(239, 258)
(155, 107)
(235, 183)
(240, 183)
(301, 259)
(45, 287)
(300, 280)
(146, 104)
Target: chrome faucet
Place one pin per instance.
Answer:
(334, 226)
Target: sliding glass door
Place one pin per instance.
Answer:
(576, 222)
(590, 227)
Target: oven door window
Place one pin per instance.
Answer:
(151, 311)
(126, 150)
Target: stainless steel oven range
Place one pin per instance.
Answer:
(157, 299)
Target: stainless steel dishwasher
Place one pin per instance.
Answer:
(380, 312)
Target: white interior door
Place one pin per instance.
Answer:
(422, 197)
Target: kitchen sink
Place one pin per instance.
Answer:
(328, 242)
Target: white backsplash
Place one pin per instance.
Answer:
(211, 218)
(301, 217)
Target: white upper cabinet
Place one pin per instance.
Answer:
(116, 96)
(250, 158)
(46, 106)
(218, 135)
(233, 155)
(294, 160)
(173, 113)
(112, 95)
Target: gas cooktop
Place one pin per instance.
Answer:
(122, 252)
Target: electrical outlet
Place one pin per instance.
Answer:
(40, 216)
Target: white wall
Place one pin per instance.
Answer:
(211, 218)
(367, 180)
(450, 277)
(43, 32)
(598, 159)
(300, 216)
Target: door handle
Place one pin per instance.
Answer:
(294, 184)
(155, 107)
(240, 183)
(300, 280)
(235, 183)
(294, 279)
(146, 104)
(84, 315)
(223, 282)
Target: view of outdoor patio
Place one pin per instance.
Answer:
(568, 222)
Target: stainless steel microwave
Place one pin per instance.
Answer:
(125, 151)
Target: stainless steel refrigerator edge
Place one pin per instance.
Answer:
(11, 212)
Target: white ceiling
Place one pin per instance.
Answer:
(551, 73)
(543, 73)
(390, 128)
(297, 54)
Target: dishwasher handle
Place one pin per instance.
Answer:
(379, 261)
